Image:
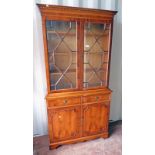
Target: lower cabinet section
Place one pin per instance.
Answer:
(95, 118)
(64, 123)
(81, 118)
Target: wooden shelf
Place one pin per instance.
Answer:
(88, 63)
(62, 53)
(65, 53)
(96, 34)
(61, 32)
(74, 33)
(84, 51)
(95, 52)
(74, 71)
(69, 71)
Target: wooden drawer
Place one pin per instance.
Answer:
(96, 98)
(64, 101)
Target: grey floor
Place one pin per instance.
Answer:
(100, 146)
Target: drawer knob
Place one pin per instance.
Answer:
(65, 102)
(97, 98)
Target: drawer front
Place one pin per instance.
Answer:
(96, 98)
(64, 101)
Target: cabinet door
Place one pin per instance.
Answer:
(95, 118)
(96, 54)
(62, 54)
(64, 123)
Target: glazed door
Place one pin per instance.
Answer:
(95, 118)
(64, 123)
(62, 54)
(96, 54)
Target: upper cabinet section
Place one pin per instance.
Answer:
(77, 44)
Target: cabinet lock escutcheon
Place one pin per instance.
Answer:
(65, 101)
(97, 98)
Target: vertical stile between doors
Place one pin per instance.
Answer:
(80, 59)
(80, 53)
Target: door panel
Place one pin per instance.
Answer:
(95, 118)
(62, 53)
(96, 54)
(64, 123)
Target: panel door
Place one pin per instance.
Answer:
(95, 118)
(64, 123)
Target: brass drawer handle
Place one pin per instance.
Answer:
(60, 118)
(65, 102)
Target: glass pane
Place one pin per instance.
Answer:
(62, 50)
(96, 48)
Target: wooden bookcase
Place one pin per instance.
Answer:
(77, 45)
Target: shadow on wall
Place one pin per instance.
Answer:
(116, 66)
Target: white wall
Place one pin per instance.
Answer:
(39, 78)
(39, 106)
(116, 66)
